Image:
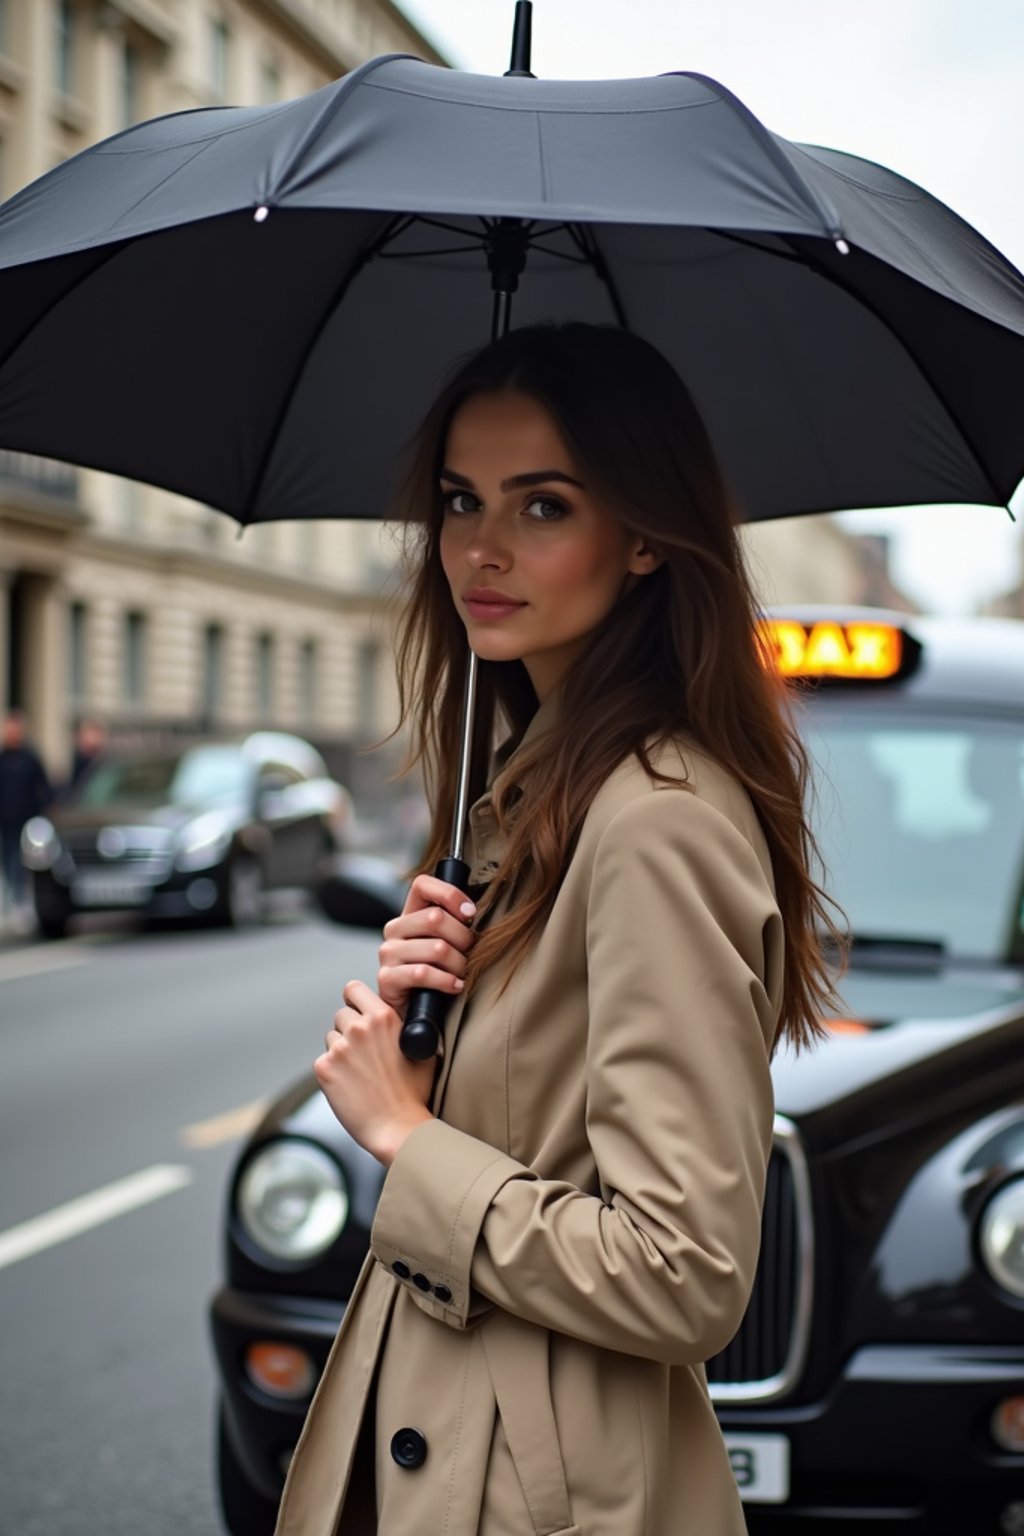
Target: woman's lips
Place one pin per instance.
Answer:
(478, 608)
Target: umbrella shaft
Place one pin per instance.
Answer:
(500, 314)
(465, 757)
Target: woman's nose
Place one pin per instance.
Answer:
(486, 551)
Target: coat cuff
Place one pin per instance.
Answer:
(435, 1197)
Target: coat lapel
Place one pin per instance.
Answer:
(485, 847)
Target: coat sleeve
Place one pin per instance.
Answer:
(679, 1116)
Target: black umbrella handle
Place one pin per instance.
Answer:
(425, 1015)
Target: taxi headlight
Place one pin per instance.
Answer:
(1001, 1237)
(40, 845)
(292, 1200)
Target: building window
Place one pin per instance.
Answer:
(369, 669)
(308, 541)
(307, 681)
(134, 658)
(65, 60)
(213, 670)
(270, 80)
(130, 69)
(131, 506)
(78, 667)
(220, 42)
(265, 675)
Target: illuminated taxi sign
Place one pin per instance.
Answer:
(860, 650)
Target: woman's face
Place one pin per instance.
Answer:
(533, 561)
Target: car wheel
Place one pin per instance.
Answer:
(246, 1511)
(243, 892)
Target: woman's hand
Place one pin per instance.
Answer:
(427, 946)
(377, 1094)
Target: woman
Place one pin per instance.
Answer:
(570, 1219)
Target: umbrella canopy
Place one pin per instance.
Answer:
(253, 306)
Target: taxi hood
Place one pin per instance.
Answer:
(911, 1046)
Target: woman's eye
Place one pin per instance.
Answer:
(459, 502)
(546, 509)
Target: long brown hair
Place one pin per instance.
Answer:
(680, 652)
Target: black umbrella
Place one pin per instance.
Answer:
(252, 306)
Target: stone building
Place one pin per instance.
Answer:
(815, 560)
(126, 601)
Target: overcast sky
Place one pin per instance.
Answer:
(932, 88)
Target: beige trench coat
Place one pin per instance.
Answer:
(557, 1253)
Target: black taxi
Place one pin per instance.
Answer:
(877, 1379)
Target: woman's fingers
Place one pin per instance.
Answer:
(430, 924)
(428, 944)
(427, 891)
(445, 957)
(397, 981)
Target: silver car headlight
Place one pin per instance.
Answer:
(292, 1200)
(40, 845)
(1001, 1237)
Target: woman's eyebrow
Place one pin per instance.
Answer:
(516, 482)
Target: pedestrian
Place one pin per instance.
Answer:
(569, 1223)
(90, 744)
(24, 792)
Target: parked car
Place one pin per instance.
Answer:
(200, 832)
(877, 1380)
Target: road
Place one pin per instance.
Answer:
(132, 1066)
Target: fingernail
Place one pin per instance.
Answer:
(458, 984)
(467, 909)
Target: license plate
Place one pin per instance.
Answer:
(760, 1465)
(109, 890)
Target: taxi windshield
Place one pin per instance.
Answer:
(920, 823)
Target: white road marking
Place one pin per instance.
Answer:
(36, 961)
(227, 1127)
(91, 1210)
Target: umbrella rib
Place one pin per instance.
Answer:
(449, 229)
(346, 86)
(763, 250)
(768, 142)
(546, 250)
(864, 303)
(586, 242)
(441, 250)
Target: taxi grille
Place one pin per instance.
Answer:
(766, 1356)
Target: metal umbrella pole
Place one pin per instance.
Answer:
(506, 248)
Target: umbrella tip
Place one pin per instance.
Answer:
(260, 214)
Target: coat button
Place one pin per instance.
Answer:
(443, 1293)
(422, 1282)
(409, 1449)
(401, 1270)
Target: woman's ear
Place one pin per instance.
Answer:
(644, 559)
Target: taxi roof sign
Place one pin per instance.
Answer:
(858, 650)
